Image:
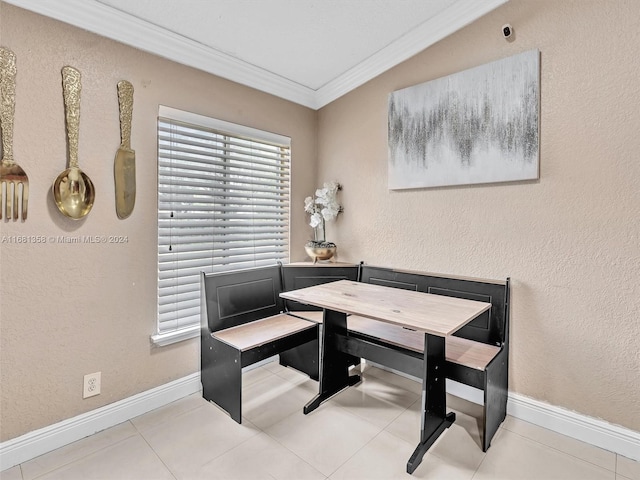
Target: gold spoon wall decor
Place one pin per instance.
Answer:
(73, 190)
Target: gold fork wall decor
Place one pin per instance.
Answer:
(12, 176)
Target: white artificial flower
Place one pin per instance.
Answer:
(315, 220)
(309, 205)
(330, 211)
(322, 196)
(332, 188)
(325, 206)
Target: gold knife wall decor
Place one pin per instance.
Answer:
(124, 168)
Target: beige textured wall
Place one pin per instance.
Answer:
(570, 241)
(69, 310)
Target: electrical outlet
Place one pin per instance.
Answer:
(91, 385)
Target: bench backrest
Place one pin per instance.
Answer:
(297, 276)
(234, 298)
(491, 327)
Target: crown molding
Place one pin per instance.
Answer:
(99, 18)
(453, 18)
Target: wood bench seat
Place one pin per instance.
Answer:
(462, 351)
(260, 332)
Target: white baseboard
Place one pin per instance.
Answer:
(587, 429)
(38, 442)
(594, 431)
(461, 390)
(591, 430)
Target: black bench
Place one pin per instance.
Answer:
(242, 322)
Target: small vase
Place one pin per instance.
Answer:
(320, 252)
(319, 248)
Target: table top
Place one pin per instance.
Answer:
(429, 313)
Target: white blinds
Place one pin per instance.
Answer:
(223, 204)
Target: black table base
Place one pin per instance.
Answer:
(336, 355)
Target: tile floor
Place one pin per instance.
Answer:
(366, 432)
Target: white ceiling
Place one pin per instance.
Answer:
(307, 51)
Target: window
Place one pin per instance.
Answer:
(223, 204)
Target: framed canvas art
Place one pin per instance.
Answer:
(477, 126)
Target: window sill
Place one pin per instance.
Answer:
(164, 339)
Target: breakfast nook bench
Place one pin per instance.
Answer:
(242, 323)
(245, 320)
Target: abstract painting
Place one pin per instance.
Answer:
(477, 126)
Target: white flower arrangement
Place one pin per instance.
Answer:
(323, 208)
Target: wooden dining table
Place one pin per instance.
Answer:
(437, 316)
